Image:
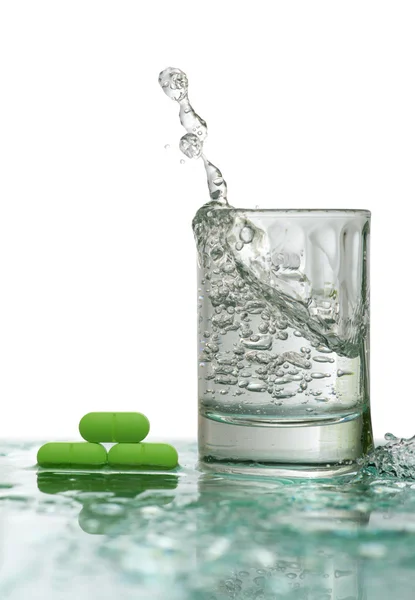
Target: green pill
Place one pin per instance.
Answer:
(143, 455)
(126, 427)
(72, 454)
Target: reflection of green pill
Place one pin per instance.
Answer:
(114, 427)
(72, 454)
(120, 484)
(143, 455)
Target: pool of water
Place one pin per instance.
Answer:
(188, 535)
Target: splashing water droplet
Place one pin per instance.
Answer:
(174, 83)
(191, 146)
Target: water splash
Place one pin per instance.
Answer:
(395, 459)
(175, 85)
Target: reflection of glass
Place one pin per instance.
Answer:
(283, 339)
(110, 503)
(274, 552)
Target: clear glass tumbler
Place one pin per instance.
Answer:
(283, 335)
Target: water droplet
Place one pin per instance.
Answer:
(191, 146)
(298, 334)
(174, 83)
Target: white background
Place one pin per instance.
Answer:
(309, 104)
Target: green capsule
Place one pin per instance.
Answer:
(126, 427)
(143, 455)
(72, 454)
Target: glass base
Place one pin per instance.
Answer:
(310, 448)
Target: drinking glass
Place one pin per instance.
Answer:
(283, 336)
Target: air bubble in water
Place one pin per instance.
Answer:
(239, 245)
(341, 373)
(191, 146)
(323, 349)
(247, 234)
(323, 359)
(256, 387)
(182, 161)
(167, 146)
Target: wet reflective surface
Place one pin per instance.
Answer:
(187, 535)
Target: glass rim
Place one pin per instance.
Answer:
(303, 212)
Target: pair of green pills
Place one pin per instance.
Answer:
(125, 429)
